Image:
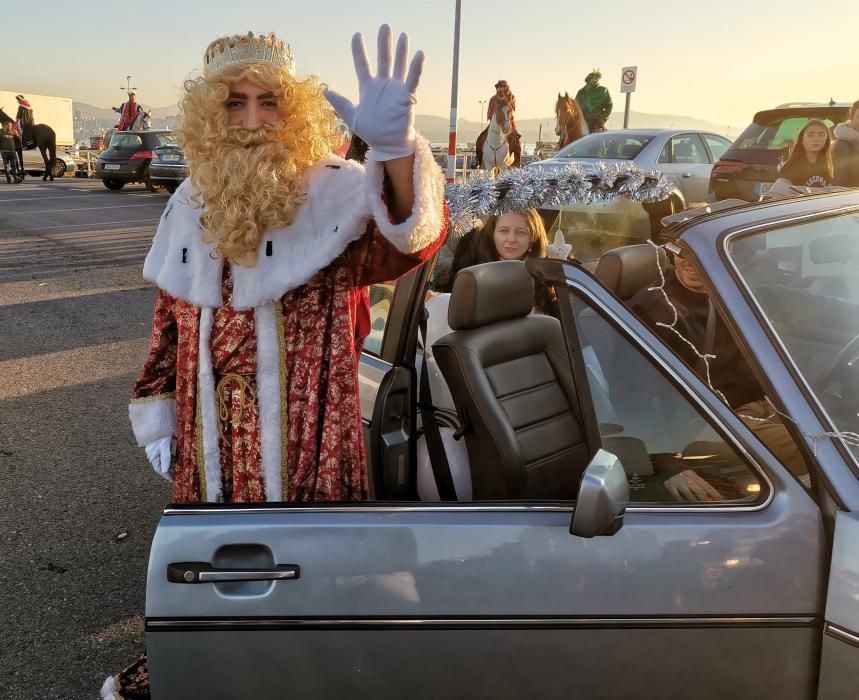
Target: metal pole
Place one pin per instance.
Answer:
(454, 89)
(626, 111)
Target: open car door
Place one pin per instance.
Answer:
(500, 599)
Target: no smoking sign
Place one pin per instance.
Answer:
(628, 78)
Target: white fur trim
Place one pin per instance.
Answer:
(108, 689)
(152, 419)
(334, 214)
(426, 222)
(207, 405)
(269, 363)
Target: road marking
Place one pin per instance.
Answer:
(105, 223)
(57, 211)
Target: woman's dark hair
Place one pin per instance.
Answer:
(797, 163)
(478, 246)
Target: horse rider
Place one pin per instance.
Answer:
(24, 117)
(128, 112)
(594, 101)
(502, 96)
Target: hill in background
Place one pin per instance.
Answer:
(435, 129)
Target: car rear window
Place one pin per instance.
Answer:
(775, 136)
(612, 146)
(166, 140)
(120, 140)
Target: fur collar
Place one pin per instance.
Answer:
(334, 214)
(846, 132)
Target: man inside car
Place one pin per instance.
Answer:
(681, 313)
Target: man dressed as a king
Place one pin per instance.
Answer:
(250, 392)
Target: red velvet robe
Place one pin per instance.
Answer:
(322, 453)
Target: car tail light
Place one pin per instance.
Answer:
(140, 155)
(723, 168)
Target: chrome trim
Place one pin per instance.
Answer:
(841, 635)
(261, 575)
(750, 297)
(375, 362)
(418, 507)
(484, 623)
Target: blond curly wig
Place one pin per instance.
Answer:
(250, 181)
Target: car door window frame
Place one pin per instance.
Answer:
(754, 305)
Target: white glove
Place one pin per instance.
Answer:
(384, 117)
(160, 456)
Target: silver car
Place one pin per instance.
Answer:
(684, 155)
(34, 164)
(572, 572)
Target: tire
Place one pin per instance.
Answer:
(151, 186)
(59, 168)
(112, 184)
(171, 188)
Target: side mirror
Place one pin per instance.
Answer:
(603, 495)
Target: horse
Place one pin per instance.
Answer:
(496, 150)
(570, 123)
(142, 121)
(44, 138)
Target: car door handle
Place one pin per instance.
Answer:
(686, 175)
(201, 572)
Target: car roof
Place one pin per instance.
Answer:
(653, 131)
(770, 116)
(701, 230)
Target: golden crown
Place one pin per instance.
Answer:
(240, 49)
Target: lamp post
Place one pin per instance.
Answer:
(482, 112)
(454, 90)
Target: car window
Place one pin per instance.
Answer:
(717, 145)
(687, 149)
(608, 145)
(773, 137)
(381, 296)
(166, 139)
(121, 140)
(671, 451)
(806, 280)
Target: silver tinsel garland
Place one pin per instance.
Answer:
(526, 188)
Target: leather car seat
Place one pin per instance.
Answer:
(508, 372)
(624, 271)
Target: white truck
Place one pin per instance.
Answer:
(56, 112)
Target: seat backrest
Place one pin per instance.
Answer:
(624, 271)
(508, 371)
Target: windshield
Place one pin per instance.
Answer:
(806, 280)
(612, 146)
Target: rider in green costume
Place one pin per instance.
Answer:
(594, 101)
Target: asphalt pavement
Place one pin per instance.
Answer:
(78, 501)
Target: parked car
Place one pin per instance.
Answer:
(128, 156)
(34, 164)
(168, 167)
(582, 577)
(684, 155)
(748, 168)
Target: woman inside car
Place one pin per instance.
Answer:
(809, 163)
(512, 236)
(845, 150)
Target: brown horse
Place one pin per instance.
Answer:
(569, 121)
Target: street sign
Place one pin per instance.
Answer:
(628, 78)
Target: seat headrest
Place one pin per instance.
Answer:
(629, 269)
(490, 293)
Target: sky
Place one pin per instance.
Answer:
(719, 61)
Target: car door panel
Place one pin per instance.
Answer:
(666, 576)
(840, 654)
(477, 600)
